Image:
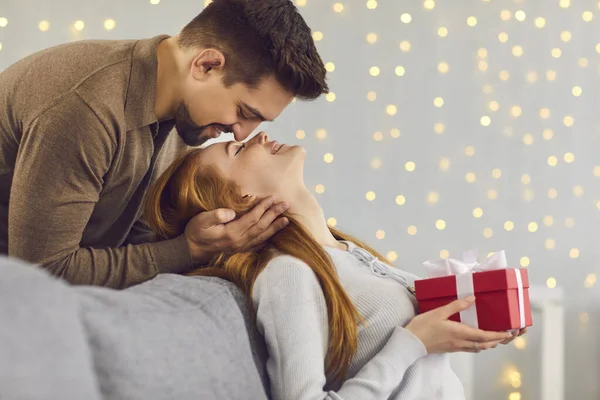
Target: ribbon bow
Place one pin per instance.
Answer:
(464, 269)
(469, 263)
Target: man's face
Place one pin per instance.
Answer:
(208, 108)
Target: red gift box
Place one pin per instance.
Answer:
(496, 297)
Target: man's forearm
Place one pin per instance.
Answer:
(121, 267)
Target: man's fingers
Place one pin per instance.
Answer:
(275, 227)
(252, 217)
(265, 221)
(263, 213)
(216, 217)
(256, 226)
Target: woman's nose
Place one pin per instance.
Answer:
(262, 138)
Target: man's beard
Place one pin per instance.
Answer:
(192, 134)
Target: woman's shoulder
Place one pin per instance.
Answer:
(286, 265)
(285, 273)
(286, 280)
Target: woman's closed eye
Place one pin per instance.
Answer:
(240, 149)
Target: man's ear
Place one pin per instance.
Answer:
(207, 61)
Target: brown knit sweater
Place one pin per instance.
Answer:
(79, 142)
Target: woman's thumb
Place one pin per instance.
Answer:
(458, 305)
(470, 299)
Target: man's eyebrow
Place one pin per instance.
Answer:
(257, 113)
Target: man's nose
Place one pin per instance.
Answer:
(242, 130)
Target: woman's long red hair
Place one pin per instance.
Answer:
(187, 188)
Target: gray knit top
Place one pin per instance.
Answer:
(390, 362)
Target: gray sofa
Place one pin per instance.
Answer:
(173, 337)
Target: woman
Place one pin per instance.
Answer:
(338, 322)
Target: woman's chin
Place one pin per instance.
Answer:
(289, 162)
(292, 152)
(298, 151)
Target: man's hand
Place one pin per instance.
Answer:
(440, 335)
(213, 232)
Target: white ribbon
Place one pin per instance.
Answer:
(463, 270)
(518, 273)
(464, 288)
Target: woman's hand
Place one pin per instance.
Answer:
(515, 335)
(213, 232)
(440, 335)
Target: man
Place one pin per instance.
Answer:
(82, 125)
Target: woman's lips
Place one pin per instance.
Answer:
(275, 147)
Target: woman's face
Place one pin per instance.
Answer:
(260, 167)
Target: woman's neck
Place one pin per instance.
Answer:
(306, 209)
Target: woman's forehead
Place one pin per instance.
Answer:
(224, 138)
(220, 145)
(216, 148)
(215, 153)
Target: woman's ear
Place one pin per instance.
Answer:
(249, 197)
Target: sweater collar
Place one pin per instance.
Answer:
(141, 91)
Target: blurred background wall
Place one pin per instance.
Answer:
(452, 125)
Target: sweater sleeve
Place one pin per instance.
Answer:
(292, 317)
(59, 173)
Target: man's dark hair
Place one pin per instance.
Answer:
(260, 38)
